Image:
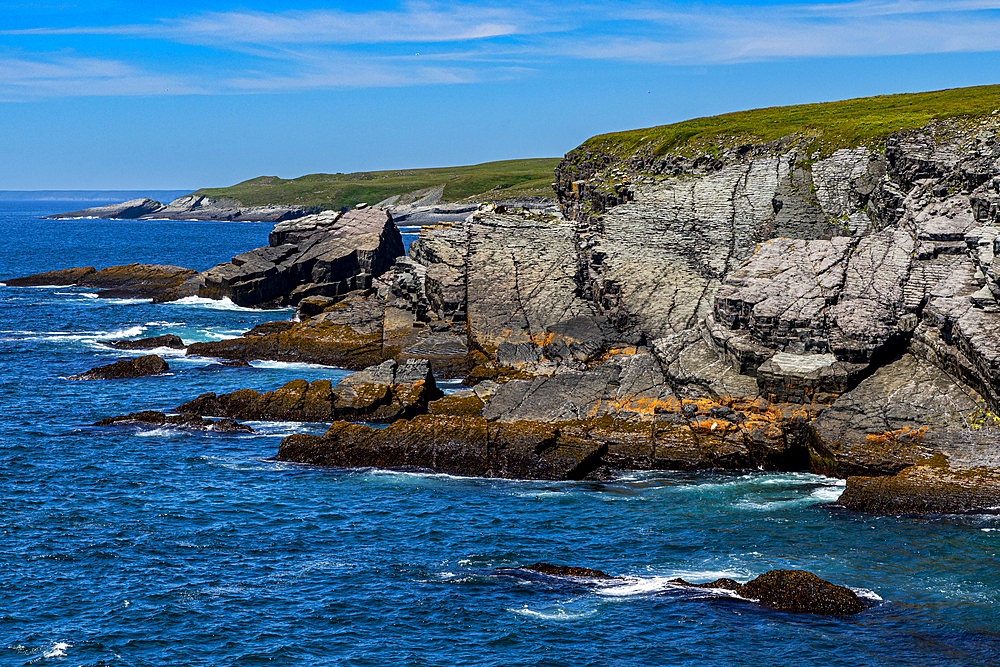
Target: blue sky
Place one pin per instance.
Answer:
(111, 94)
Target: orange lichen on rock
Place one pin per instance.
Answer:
(907, 434)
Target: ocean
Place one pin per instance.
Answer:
(159, 546)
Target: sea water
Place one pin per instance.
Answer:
(158, 546)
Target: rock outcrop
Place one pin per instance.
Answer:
(327, 255)
(191, 207)
(130, 281)
(166, 340)
(126, 369)
(795, 591)
(381, 393)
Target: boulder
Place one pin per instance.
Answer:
(794, 591)
(126, 369)
(801, 592)
(166, 340)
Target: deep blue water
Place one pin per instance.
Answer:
(125, 546)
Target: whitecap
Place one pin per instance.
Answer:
(225, 303)
(557, 614)
(290, 365)
(159, 433)
(122, 333)
(867, 594)
(57, 650)
(126, 302)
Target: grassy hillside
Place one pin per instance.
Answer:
(513, 178)
(831, 125)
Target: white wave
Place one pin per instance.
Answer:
(989, 530)
(867, 594)
(159, 433)
(85, 295)
(225, 303)
(284, 429)
(163, 323)
(291, 365)
(222, 335)
(126, 302)
(57, 650)
(123, 333)
(557, 614)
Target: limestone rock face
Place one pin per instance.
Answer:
(126, 369)
(326, 254)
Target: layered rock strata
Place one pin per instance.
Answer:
(328, 254)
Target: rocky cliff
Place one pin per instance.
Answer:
(789, 303)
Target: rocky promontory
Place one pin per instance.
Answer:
(191, 207)
(782, 304)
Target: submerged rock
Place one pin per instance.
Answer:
(187, 421)
(139, 367)
(562, 571)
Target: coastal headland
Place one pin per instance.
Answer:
(800, 288)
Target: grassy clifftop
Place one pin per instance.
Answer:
(509, 178)
(829, 125)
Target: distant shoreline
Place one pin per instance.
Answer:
(90, 195)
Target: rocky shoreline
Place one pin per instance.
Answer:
(765, 309)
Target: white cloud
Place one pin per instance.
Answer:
(462, 42)
(26, 76)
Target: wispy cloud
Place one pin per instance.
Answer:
(65, 74)
(462, 42)
(414, 22)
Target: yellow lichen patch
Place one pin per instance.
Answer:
(907, 434)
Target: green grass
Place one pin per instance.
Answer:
(827, 126)
(517, 178)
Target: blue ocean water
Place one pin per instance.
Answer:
(129, 546)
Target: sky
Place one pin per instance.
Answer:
(115, 94)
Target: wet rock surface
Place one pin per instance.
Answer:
(795, 591)
(186, 421)
(166, 340)
(125, 369)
